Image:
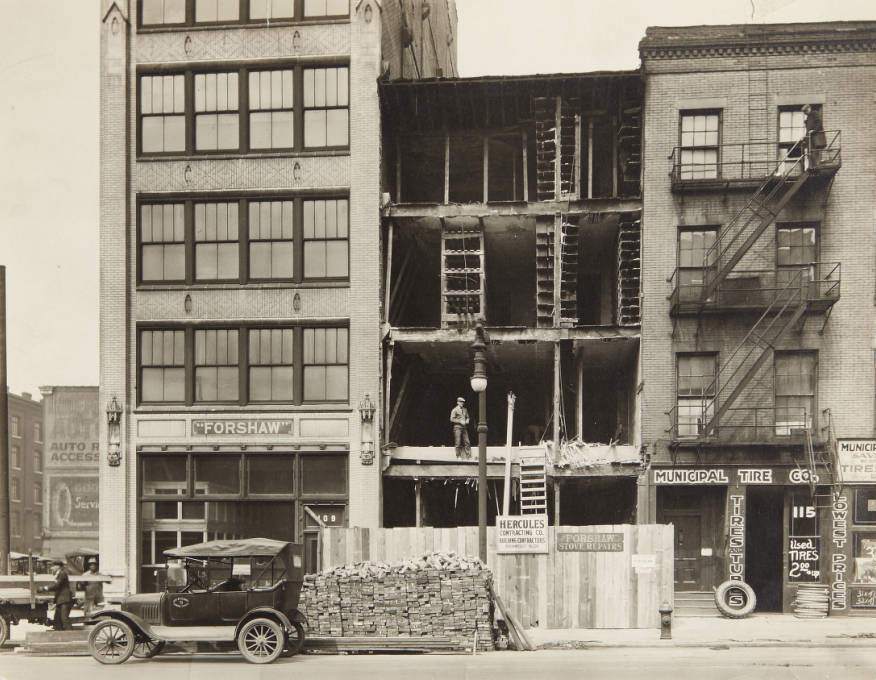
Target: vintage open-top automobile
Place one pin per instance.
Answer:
(244, 591)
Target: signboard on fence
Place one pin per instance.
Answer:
(521, 534)
(584, 542)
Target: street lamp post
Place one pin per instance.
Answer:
(479, 385)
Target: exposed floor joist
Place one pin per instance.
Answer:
(594, 206)
(513, 334)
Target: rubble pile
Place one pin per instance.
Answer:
(438, 595)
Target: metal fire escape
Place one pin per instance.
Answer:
(782, 304)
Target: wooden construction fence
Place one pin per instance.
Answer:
(621, 589)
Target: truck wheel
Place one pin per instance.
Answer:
(735, 599)
(261, 640)
(111, 642)
(4, 630)
(148, 648)
(295, 643)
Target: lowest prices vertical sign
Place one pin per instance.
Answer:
(519, 534)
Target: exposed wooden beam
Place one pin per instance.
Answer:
(432, 335)
(593, 208)
(387, 272)
(406, 380)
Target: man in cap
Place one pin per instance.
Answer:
(816, 139)
(93, 589)
(459, 419)
(63, 597)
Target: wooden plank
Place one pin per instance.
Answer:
(378, 545)
(447, 168)
(525, 168)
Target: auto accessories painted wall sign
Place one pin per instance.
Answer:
(241, 426)
(857, 460)
(581, 542)
(73, 502)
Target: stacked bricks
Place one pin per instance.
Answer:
(436, 596)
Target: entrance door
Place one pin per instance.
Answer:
(763, 545)
(688, 544)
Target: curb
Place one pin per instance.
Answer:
(716, 645)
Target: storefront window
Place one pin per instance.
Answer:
(269, 474)
(865, 505)
(865, 558)
(217, 475)
(164, 475)
(324, 474)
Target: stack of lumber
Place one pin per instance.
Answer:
(437, 595)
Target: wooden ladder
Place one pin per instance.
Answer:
(533, 485)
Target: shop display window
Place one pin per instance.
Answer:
(865, 558)
(270, 474)
(865, 505)
(324, 474)
(164, 475)
(217, 475)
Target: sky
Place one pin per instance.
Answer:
(49, 124)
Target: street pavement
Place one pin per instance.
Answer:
(722, 663)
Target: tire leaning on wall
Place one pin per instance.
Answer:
(735, 599)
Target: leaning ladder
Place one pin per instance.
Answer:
(533, 485)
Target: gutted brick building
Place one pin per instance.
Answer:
(240, 198)
(757, 326)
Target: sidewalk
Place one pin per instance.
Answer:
(759, 630)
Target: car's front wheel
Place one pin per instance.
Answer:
(111, 642)
(148, 648)
(261, 640)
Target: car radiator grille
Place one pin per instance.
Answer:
(149, 613)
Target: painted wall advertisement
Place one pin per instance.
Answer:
(72, 455)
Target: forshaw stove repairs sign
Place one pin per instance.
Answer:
(521, 534)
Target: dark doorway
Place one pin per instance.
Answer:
(688, 541)
(763, 546)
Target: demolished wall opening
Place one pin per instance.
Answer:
(597, 273)
(399, 502)
(421, 169)
(509, 250)
(607, 390)
(428, 377)
(415, 286)
(597, 500)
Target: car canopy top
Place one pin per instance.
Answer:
(82, 552)
(243, 547)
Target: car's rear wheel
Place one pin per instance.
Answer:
(295, 642)
(148, 648)
(261, 640)
(111, 642)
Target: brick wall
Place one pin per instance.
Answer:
(433, 45)
(28, 505)
(845, 83)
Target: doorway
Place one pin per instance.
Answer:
(763, 545)
(688, 540)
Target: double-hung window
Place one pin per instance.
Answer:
(15, 456)
(326, 107)
(162, 366)
(694, 246)
(697, 387)
(162, 12)
(796, 255)
(795, 376)
(216, 242)
(271, 109)
(271, 364)
(700, 144)
(326, 239)
(216, 365)
(326, 8)
(217, 119)
(162, 238)
(162, 114)
(325, 364)
(271, 240)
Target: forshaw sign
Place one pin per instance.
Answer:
(243, 426)
(521, 534)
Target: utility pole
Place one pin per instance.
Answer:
(4, 434)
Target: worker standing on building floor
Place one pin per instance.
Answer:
(816, 140)
(459, 418)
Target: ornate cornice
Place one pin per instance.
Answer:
(747, 48)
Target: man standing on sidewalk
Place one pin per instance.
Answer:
(63, 597)
(459, 419)
(93, 590)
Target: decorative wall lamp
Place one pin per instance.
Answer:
(114, 432)
(366, 413)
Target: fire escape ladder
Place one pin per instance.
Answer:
(546, 119)
(746, 226)
(568, 274)
(783, 313)
(544, 271)
(533, 485)
(830, 463)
